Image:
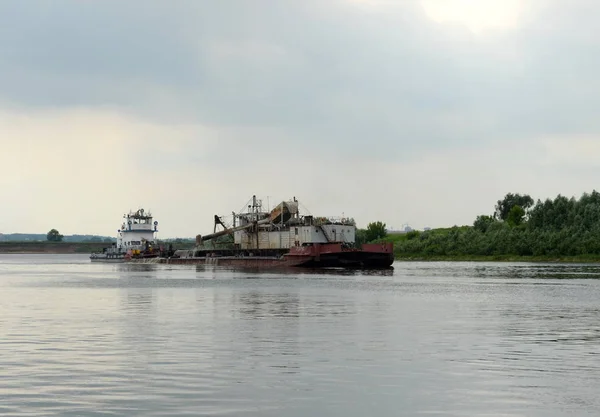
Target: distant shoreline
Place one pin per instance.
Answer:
(89, 247)
(51, 247)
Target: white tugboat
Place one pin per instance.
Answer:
(135, 239)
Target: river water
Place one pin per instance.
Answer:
(444, 339)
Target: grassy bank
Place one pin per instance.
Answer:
(51, 247)
(454, 245)
(498, 258)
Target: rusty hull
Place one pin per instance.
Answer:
(331, 255)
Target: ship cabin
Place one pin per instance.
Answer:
(137, 231)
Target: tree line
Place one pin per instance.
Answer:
(518, 226)
(374, 231)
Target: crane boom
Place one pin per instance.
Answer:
(279, 214)
(204, 238)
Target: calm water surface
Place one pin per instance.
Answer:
(444, 339)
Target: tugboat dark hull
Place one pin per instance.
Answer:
(121, 257)
(102, 257)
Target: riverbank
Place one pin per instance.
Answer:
(89, 247)
(499, 258)
(51, 247)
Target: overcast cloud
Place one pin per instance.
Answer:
(406, 111)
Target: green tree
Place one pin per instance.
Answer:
(556, 227)
(510, 200)
(413, 234)
(360, 237)
(54, 236)
(375, 230)
(515, 216)
(483, 222)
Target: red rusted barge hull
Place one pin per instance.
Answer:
(369, 256)
(336, 255)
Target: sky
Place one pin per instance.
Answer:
(419, 112)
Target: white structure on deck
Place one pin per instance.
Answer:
(137, 231)
(283, 228)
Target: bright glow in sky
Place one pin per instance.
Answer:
(476, 15)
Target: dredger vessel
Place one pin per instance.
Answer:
(281, 238)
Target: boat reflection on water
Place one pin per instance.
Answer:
(387, 272)
(137, 275)
(128, 268)
(257, 272)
